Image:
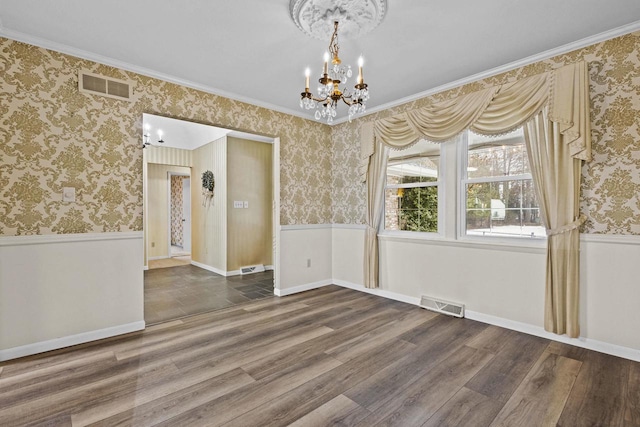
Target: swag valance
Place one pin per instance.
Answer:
(553, 109)
(493, 111)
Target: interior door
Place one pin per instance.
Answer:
(186, 214)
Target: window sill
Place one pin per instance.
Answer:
(538, 247)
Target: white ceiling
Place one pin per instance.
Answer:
(188, 135)
(252, 51)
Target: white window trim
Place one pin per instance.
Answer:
(463, 180)
(440, 183)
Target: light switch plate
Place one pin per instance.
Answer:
(246, 204)
(237, 204)
(68, 194)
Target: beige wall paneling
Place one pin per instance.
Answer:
(57, 291)
(169, 156)
(249, 178)
(164, 156)
(208, 223)
(305, 257)
(158, 197)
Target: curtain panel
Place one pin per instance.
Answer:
(563, 96)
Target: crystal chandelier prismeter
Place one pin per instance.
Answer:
(330, 91)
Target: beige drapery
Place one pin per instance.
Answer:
(556, 175)
(375, 199)
(494, 111)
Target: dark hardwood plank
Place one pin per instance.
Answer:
(505, 372)
(542, 394)
(466, 408)
(632, 408)
(238, 402)
(367, 341)
(315, 393)
(165, 406)
(447, 335)
(492, 339)
(123, 378)
(339, 411)
(566, 350)
(367, 321)
(41, 377)
(422, 399)
(232, 357)
(598, 394)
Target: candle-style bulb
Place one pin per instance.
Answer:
(307, 73)
(360, 75)
(326, 63)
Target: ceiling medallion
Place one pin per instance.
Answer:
(356, 17)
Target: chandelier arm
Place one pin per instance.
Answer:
(347, 100)
(319, 99)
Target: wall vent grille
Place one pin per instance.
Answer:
(441, 306)
(104, 86)
(259, 268)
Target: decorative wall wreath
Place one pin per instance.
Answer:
(208, 185)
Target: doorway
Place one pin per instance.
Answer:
(208, 278)
(179, 216)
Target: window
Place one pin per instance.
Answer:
(411, 193)
(496, 197)
(499, 197)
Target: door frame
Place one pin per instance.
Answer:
(277, 228)
(169, 175)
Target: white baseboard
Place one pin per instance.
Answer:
(589, 344)
(302, 288)
(380, 292)
(223, 272)
(145, 267)
(57, 343)
(209, 268)
(269, 267)
(155, 258)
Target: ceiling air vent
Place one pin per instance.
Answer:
(440, 306)
(104, 86)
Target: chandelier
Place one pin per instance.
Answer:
(330, 93)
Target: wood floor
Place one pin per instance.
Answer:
(331, 356)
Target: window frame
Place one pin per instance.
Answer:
(463, 180)
(440, 184)
(452, 208)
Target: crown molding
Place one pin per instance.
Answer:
(83, 54)
(569, 47)
(62, 48)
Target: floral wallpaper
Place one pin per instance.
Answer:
(52, 136)
(611, 182)
(177, 230)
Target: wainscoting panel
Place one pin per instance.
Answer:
(60, 290)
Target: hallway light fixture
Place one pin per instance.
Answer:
(329, 91)
(146, 136)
